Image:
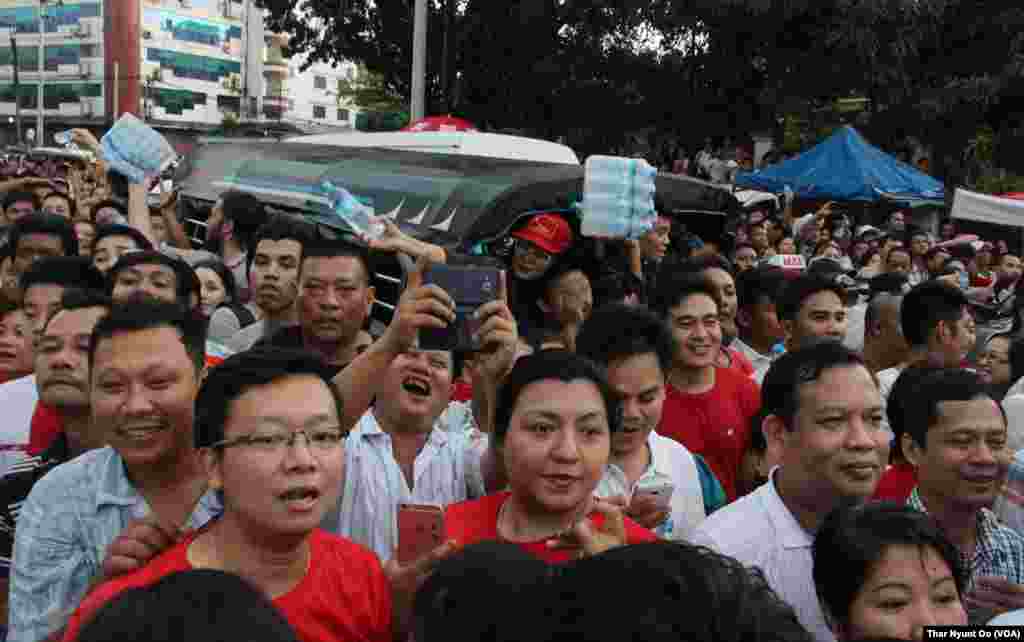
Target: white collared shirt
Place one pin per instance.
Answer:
(670, 458)
(447, 470)
(18, 398)
(761, 362)
(758, 530)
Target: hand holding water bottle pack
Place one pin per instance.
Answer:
(136, 150)
(618, 198)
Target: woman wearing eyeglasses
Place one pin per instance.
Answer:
(267, 425)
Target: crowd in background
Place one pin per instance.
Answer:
(677, 437)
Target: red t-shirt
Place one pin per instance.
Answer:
(477, 521)
(714, 424)
(344, 596)
(897, 483)
(44, 428)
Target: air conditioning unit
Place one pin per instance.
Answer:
(147, 35)
(87, 107)
(85, 70)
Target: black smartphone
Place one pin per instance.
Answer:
(470, 286)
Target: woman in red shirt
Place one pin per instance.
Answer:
(553, 422)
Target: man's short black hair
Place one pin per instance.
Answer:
(66, 271)
(676, 287)
(116, 229)
(802, 288)
(763, 284)
(559, 365)
(614, 287)
(853, 540)
(780, 393)
(247, 215)
(148, 315)
(49, 224)
(329, 249)
(80, 299)
(17, 196)
(726, 601)
(618, 331)
(925, 306)
(698, 264)
(186, 280)
(920, 401)
(282, 228)
(890, 283)
(262, 365)
(201, 604)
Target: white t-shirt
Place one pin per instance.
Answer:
(886, 380)
(668, 457)
(18, 398)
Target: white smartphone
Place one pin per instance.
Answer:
(659, 488)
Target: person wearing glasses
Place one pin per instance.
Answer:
(268, 431)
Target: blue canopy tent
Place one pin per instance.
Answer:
(845, 167)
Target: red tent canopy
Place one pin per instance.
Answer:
(440, 124)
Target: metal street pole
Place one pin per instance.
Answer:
(17, 89)
(419, 60)
(42, 70)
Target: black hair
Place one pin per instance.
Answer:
(925, 306)
(201, 604)
(329, 249)
(758, 442)
(726, 601)
(559, 365)
(696, 265)
(15, 196)
(238, 373)
(899, 248)
(889, 282)
(802, 288)
(186, 281)
(853, 540)
(104, 204)
(72, 208)
(221, 270)
(116, 229)
(763, 284)
(148, 315)
(473, 586)
(619, 331)
(66, 271)
(1016, 359)
(80, 299)
(919, 400)
(247, 215)
(49, 224)
(7, 306)
(874, 306)
(281, 228)
(675, 287)
(614, 287)
(780, 393)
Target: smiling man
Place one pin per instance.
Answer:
(823, 414)
(812, 308)
(707, 409)
(269, 429)
(956, 437)
(145, 364)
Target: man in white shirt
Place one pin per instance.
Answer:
(642, 462)
(413, 446)
(823, 415)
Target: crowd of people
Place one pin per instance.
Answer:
(671, 442)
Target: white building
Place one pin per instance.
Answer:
(313, 101)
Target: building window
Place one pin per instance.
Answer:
(319, 112)
(319, 82)
(343, 114)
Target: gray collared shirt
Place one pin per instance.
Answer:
(64, 528)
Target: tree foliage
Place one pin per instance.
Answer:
(594, 70)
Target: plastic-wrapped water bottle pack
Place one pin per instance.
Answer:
(136, 150)
(618, 197)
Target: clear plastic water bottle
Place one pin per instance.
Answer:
(359, 218)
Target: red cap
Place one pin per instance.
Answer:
(549, 232)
